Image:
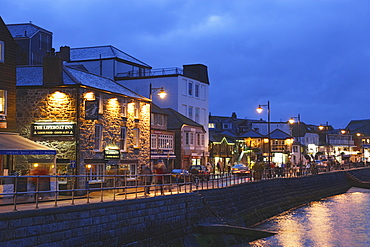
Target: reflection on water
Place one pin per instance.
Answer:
(341, 220)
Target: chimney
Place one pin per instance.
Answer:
(196, 71)
(65, 53)
(233, 115)
(52, 70)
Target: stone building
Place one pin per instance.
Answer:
(97, 126)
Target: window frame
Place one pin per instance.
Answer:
(98, 137)
(3, 103)
(2, 51)
(136, 137)
(123, 139)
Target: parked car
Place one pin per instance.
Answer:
(240, 169)
(201, 171)
(180, 175)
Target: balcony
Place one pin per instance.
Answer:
(150, 73)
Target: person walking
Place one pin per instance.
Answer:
(161, 169)
(147, 178)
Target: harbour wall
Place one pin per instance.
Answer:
(171, 220)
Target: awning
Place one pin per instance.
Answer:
(14, 144)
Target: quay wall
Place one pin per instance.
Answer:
(167, 220)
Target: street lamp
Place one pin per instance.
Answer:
(291, 121)
(346, 131)
(162, 94)
(259, 110)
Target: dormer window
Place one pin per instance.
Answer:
(226, 126)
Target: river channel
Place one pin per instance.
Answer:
(342, 220)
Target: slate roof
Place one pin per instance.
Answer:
(176, 120)
(25, 30)
(251, 134)
(103, 52)
(359, 126)
(32, 76)
(279, 134)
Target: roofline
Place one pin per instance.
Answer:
(38, 27)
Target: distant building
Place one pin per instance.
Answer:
(34, 43)
(190, 145)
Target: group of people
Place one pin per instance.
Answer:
(148, 178)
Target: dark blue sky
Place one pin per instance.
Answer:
(307, 57)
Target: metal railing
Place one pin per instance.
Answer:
(29, 192)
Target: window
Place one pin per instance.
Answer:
(191, 138)
(226, 126)
(196, 90)
(137, 110)
(198, 139)
(187, 138)
(98, 137)
(100, 104)
(190, 89)
(185, 109)
(190, 113)
(136, 137)
(122, 141)
(196, 114)
(202, 140)
(123, 110)
(153, 143)
(203, 92)
(2, 51)
(185, 87)
(95, 172)
(165, 142)
(2, 102)
(211, 125)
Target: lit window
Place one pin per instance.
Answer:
(2, 51)
(2, 102)
(95, 172)
(98, 137)
(211, 125)
(165, 142)
(123, 139)
(136, 137)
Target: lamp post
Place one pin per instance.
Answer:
(291, 121)
(162, 94)
(346, 131)
(259, 110)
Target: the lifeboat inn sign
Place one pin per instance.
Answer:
(53, 129)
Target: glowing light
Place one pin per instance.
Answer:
(343, 131)
(259, 109)
(88, 166)
(291, 121)
(321, 127)
(265, 140)
(35, 165)
(58, 95)
(162, 94)
(89, 96)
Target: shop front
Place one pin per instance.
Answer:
(20, 156)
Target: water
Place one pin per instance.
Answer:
(341, 220)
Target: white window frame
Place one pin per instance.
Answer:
(165, 142)
(153, 140)
(187, 138)
(123, 106)
(98, 137)
(95, 173)
(123, 139)
(190, 89)
(2, 51)
(137, 110)
(136, 137)
(191, 138)
(3, 102)
(196, 115)
(190, 112)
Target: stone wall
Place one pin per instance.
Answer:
(165, 220)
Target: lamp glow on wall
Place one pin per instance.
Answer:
(90, 96)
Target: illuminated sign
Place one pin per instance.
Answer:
(112, 154)
(53, 129)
